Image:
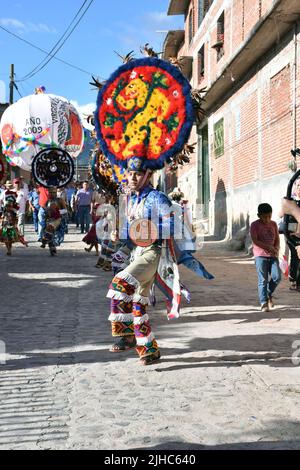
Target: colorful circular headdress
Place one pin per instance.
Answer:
(53, 167)
(102, 172)
(144, 114)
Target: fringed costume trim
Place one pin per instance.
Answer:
(121, 317)
(112, 294)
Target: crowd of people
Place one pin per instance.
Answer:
(49, 210)
(96, 216)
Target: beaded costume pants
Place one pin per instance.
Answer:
(129, 291)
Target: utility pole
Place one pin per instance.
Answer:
(11, 100)
(11, 84)
(15, 172)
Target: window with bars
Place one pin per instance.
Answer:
(219, 138)
(220, 36)
(201, 63)
(206, 5)
(191, 25)
(203, 7)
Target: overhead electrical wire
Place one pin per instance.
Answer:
(57, 46)
(46, 52)
(49, 53)
(18, 90)
(57, 43)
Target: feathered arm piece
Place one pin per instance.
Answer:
(177, 62)
(197, 104)
(182, 157)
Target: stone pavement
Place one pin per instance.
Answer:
(226, 379)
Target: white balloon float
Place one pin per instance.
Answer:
(38, 122)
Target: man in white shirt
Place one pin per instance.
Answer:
(22, 196)
(2, 197)
(24, 186)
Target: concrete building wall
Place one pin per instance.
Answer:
(258, 136)
(258, 113)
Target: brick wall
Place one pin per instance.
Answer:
(245, 142)
(277, 122)
(258, 115)
(265, 6)
(251, 15)
(258, 130)
(240, 18)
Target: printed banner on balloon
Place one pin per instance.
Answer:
(53, 167)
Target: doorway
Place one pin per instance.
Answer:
(203, 171)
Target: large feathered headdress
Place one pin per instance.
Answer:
(144, 114)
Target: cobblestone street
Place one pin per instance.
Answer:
(226, 378)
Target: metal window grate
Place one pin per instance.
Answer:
(219, 138)
(201, 63)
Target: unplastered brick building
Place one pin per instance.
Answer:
(246, 54)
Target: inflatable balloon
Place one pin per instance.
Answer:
(37, 122)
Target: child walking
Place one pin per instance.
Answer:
(265, 238)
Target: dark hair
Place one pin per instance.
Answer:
(264, 208)
(176, 197)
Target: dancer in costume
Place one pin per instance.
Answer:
(91, 237)
(55, 228)
(106, 234)
(143, 119)
(130, 288)
(9, 232)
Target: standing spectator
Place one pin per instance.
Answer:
(62, 194)
(43, 199)
(265, 238)
(84, 206)
(24, 186)
(21, 201)
(74, 205)
(70, 191)
(33, 199)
